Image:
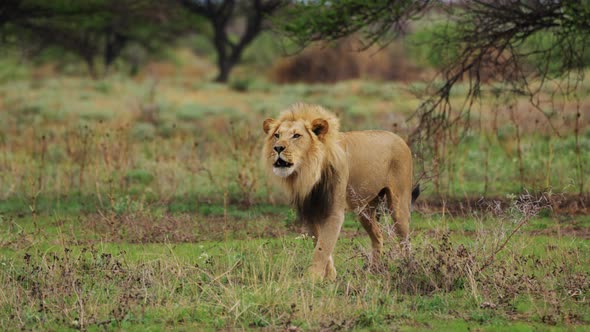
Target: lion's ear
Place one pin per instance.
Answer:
(319, 127)
(268, 124)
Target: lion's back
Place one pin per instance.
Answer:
(376, 159)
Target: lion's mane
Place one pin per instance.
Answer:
(311, 189)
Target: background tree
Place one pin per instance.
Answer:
(97, 31)
(522, 44)
(520, 39)
(221, 15)
(14, 11)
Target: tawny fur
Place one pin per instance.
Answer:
(331, 171)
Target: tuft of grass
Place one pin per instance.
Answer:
(240, 84)
(139, 176)
(193, 112)
(143, 131)
(11, 70)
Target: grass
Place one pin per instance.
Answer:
(68, 133)
(80, 272)
(140, 204)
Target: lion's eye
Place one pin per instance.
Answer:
(296, 135)
(276, 135)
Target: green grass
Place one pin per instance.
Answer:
(62, 273)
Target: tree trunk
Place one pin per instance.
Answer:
(220, 13)
(225, 66)
(90, 66)
(114, 45)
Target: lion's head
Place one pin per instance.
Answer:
(300, 145)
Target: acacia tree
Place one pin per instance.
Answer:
(521, 41)
(97, 31)
(485, 33)
(221, 14)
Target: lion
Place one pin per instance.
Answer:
(326, 172)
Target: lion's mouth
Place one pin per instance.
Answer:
(280, 163)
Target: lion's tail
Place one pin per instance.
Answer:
(415, 193)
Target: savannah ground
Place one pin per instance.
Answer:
(140, 204)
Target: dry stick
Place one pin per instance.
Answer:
(501, 247)
(40, 182)
(527, 217)
(577, 149)
(519, 151)
(548, 165)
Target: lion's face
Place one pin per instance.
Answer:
(299, 145)
(288, 143)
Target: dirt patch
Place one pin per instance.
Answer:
(560, 204)
(147, 228)
(574, 230)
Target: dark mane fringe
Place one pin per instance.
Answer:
(318, 204)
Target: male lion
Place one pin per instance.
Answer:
(326, 171)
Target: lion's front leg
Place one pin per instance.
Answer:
(326, 233)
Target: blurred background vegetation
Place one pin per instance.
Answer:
(117, 103)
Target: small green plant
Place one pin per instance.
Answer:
(240, 84)
(143, 131)
(139, 176)
(103, 87)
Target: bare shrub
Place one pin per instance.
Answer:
(494, 271)
(244, 146)
(63, 284)
(522, 209)
(438, 266)
(325, 64)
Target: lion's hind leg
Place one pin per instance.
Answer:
(399, 208)
(369, 218)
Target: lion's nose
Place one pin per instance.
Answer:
(279, 148)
